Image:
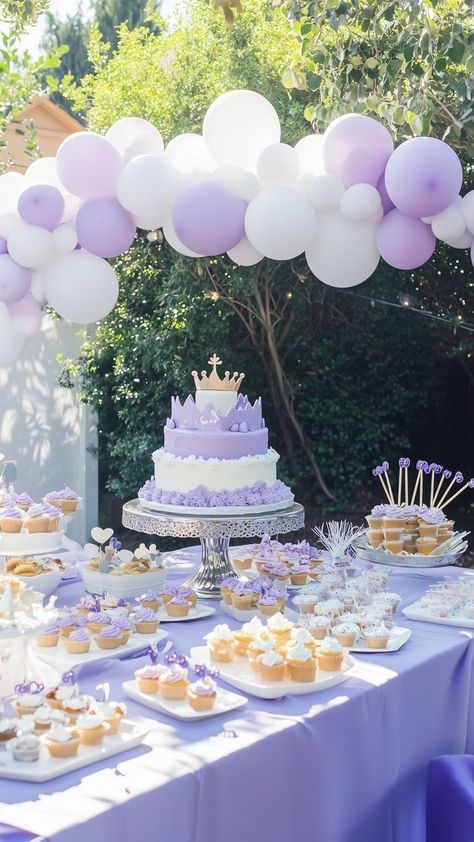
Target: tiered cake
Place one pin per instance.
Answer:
(215, 458)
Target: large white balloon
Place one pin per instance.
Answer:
(238, 126)
(190, 154)
(11, 338)
(172, 238)
(343, 253)
(245, 185)
(324, 191)
(449, 225)
(361, 202)
(134, 136)
(65, 239)
(244, 254)
(37, 287)
(280, 222)
(12, 185)
(31, 246)
(464, 242)
(147, 187)
(278, 165)
(81, 287)
(309, 151)
(8, 223)
(467, 210)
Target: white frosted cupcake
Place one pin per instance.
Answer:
(377, 637)
(271, 666)
(301, 663)
(346, 633)
(319, 626)
(330, 655)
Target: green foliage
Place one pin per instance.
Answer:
(19, 14)
(407, 63)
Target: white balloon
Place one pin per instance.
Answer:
(8, 223)
(189, 153)
(12, 185)
(278, 165)
(324, 191)
(280, 222)
(244, 254)
(81, 287)
(467, 210)
(147, 187)
(463, 242)
(64, 238)
(449, 225)
(309, 151)
(11, 338)
(238, 126)
(343, 253)
(360, 202)
(129, 133)
(37, 287)
(172, 238)
(242, 184)
(31, 246)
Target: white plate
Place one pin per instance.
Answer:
(265, 508)
(414, 612)
(44, 583)
(24, 543)
(130, 734)
(57, 656)
(195, 613)
(122, 586)
(225, 702)
(239, 674)
(398, 637)
(245, 616)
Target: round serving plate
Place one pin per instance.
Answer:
(366, 553)
(30, 543)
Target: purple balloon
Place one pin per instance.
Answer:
(472, 253)
(404, 242)
(423, 176)
(88, 165)
(15, 280)
(3, 246)
(27, 313)
(387, 203)
(208, 219)
(41, 205)
(104, 227)
(356, 149)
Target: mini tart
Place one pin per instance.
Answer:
(48, 639)
(198, 702)
(108, 642)
(146, 628)
(67, 748)
(177, 610)
(76, 647)
(242, 563)
(154, 604)
(174, 690)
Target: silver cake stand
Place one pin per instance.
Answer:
(214, 532)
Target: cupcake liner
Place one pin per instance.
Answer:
(173, 692)
(274, 673)
(330, 661)
(302, 670)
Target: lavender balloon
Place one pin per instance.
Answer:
(15, 280)
(387, 203)
(104, 227)
(88, 165)
(27, 314)
(3, 246)
(41, 205)
(356, 149)
(423, 176)
(404, 242)
(208, 218)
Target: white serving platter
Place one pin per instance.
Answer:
(130, 586)
(398, 637)
(245, 616)
(202, 511)
(415, 612)
(239, 674)
(225, 702)
(130, 735)
(197, 612)
(57, 656)
(26, 543)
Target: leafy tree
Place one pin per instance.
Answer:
(19, 14)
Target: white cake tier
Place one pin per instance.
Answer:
(177, 473)
(219, 399)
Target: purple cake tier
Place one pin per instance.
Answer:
(242, 417)
(215, 444)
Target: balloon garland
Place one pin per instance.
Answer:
(344, 198)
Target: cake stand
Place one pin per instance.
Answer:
(214, 532)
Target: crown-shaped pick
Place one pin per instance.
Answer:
(214, 382)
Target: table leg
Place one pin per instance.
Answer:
(214, 562)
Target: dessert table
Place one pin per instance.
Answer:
(348, 764)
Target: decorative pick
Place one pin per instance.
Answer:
(377, 472)
(401, 463)
(385, 469)
(445, 475)
(68, 677)
(419, 468)
(434, 469)
(105, 690)
(458, 478)
(469, 484)
(29, 687)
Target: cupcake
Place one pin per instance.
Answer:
(125, 625)
(111, 712)
(76, 706)
(346, 633)
(221, 643)
(393, 546)
(11, 519)
(24, 501)
(271, 666)
(28, 703)
(25, 749)
(278, 572)
(178, 607)
(91, 728)
(54, 514)
(375, 537)
(256, 648)
(387, 599)
(299, 573)
(202, 694)
(62, 742)
(97, 621)
(280, 593)
(174, 683)
(145, 621)
(425, 545)
(66, 499)
(279, 628)
(86, 604)
(149, 600)
(58, 695)
(110, 637)
(318, 625)
(148, 677)
(301, 663)
(49, 636)
(305, 602)
(113, 605)
(330, 655)
(42, 718)
(242, 563)
(8, 729)
(268, 605)
(242, 596)
(377, 637)
(300, 634)
(37, 518)
(78, 642)
(244, 636)
(227, 585)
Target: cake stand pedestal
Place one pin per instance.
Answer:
(214, 532)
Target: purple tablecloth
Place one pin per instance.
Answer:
(450, 803)
(348, 764)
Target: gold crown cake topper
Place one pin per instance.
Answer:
(214, 382)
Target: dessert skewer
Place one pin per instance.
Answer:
(447, 474)
(457, 478)
(469, 484)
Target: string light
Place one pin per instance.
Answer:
(405, 303)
